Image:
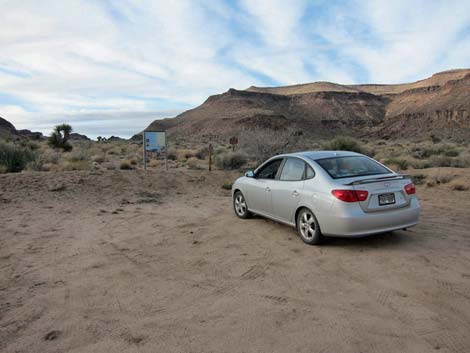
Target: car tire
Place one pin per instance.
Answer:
(240, 206)
(308, 227)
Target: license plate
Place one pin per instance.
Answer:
(386, 199)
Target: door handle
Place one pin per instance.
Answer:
(295, 193)
(268, 188)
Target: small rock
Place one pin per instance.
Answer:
(52, 335)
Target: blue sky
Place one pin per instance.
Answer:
(111, 67)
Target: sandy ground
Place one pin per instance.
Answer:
(126, 262)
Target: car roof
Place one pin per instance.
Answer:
(314, 155)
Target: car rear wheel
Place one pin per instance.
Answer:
(239, 205)
(308, 227)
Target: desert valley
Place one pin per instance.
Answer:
(99, 255)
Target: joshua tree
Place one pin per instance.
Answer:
(99, 138)
(60, 136)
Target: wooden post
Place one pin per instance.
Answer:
(210, 157)
(166, 152)
(145, 150)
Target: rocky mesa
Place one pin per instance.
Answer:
(438, 105)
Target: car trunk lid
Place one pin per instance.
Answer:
(384, 193)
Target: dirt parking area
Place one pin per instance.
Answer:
(120, 261)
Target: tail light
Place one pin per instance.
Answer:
(410, 189)
(350, 195)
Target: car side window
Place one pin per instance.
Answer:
(269, 171)
(293, 170)
(309, 173)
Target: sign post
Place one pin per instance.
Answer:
(210, 156)
(155, 142)
(233, 141)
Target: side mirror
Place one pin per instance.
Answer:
(250, 174)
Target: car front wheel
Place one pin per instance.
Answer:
(308, 227)
(239, 205)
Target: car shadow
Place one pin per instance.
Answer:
(382, 240)
(389, 239)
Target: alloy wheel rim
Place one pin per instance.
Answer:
(240, 205)
(307, 225)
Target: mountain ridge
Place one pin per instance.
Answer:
(438, 105)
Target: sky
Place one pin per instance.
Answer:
(112, 67)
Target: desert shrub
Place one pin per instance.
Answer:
(125, 165)
(59, 138)
(426, 152)
(133, 161)
(3, 169)
(441, 178)
(227, 185)
(114, 151)
(230, 160)
(261, 144)
(344, 144)
(153, 163)
(460, 187)
(440, 161)
(36, 165)
(29, 144)
(14, 158)
(401, 164)
(193, 163)
(172, 154)
(77, 165)
(98, 158)
(451, 153)
(189, 154)
(109, 166)
(220, 150)
(418, 179)
(202, 152)
(435, 139)
(79, 154)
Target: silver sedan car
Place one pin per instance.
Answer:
(334, 193)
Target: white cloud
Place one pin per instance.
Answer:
(398, 41)
(83, 58)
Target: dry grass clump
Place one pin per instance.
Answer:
(202, 153)
(76, 165)
(419, 179)
(126, 165)
(460, 187)
(344, 144)
(227, 185)
(3, 169)
(399, 163)
(98, 158)
(439, 178)
(172, 154)
(153, 163)
(79, 154)
(231, 160)
(193, 163)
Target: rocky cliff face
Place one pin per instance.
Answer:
(7, 130)
(439, 105)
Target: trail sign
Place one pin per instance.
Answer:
(154, 142)
(233, 141)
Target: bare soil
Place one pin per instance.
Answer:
(120, 261)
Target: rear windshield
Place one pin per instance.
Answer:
(352, 166)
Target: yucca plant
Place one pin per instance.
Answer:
(60, 136)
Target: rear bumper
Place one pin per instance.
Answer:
(351, 221)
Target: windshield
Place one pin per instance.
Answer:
(351, 166)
